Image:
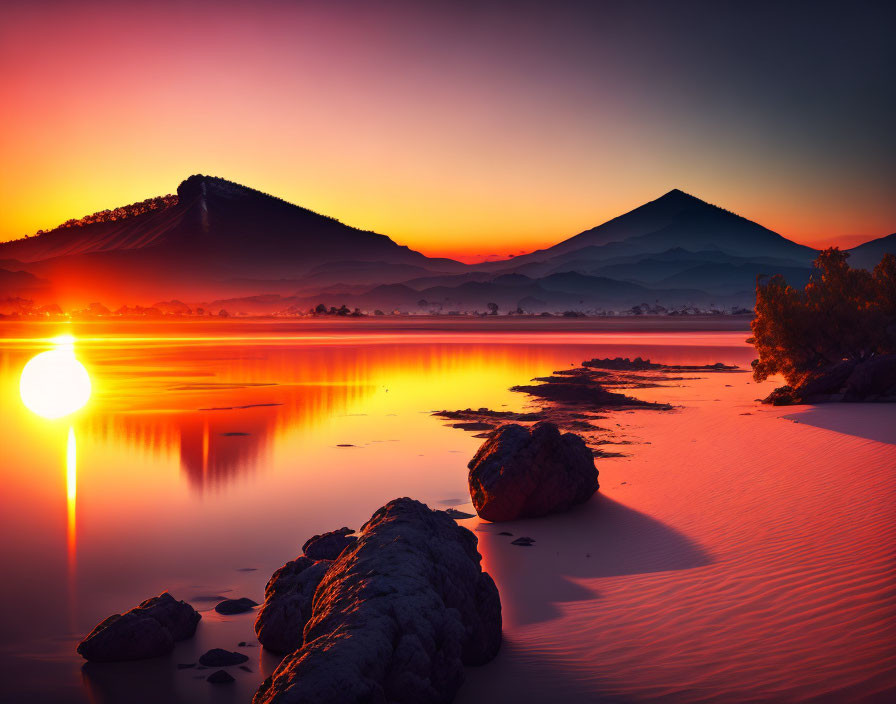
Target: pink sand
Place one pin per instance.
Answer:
(729, 558)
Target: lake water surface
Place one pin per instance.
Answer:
(206, 455)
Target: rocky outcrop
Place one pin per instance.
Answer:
(146, 631)
(218, 657)
(638, 364)
(229, 607)
(871, 380)
(329, 545)
(287, 604)
(396, 617)
(523, 473)
(621, 363)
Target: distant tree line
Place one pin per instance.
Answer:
(121, 213)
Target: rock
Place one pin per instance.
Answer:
(149, 630)
(287, 604)
(474, 425)
(782, 396)
(220, 677)
(525, 542)
(504, 532)
(621, 364)
(875, 378)
(235, 606)
(581, 387)
(458, 515)
(396, 618)
(523, 473)
(329, 545)
(827, 381)
(218, 657)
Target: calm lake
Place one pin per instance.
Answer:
(208, 453)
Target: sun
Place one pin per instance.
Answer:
(54, 383)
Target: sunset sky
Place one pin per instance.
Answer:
(462, 129)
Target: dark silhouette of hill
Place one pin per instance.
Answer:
(675, 220)
(218, 241)
(866, 256)
(212, 232)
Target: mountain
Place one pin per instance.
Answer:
(201, 242)
(675, 220)
(869, 254)
(237, 247)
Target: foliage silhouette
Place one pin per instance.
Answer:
(842, 314)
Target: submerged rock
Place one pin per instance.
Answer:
(396, 618)
(329, 546)
(220, 677)
(149, 630)
(523, 473)
(235, 606)
(621, 363)
(458, 515)
(287, 604)
(218, 657)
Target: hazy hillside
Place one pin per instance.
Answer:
(869, 254)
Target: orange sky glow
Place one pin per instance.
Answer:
(456, 139)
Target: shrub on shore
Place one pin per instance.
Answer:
(842, 315)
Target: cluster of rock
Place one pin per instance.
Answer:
(848, 381)
(637, 365)
(393, 617)
(621, 364)
(393, 613)
(522, 472)
(149, 630)
(582, 388)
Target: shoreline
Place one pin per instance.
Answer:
(725, 559)
(638, 594)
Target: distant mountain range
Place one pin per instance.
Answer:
(220, 242)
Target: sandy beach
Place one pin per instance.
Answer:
(738, 553)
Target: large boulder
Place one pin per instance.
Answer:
(287, 603)
(329, 545)
(872, 380)
(522, 473)
(149, 630)
(396, 617)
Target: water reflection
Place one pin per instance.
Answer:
(147, 491)
(71, 501)
(71, 488)
(220, 412)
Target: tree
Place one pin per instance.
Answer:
(492, 308)
(841, 314)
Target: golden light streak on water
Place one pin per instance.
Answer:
(71, 500)
(71, 489)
